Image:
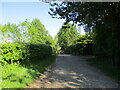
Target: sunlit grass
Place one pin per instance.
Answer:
(19, 75)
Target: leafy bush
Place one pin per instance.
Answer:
(39, 51)
(83, 46)
(11, 52)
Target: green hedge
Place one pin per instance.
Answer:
(11, 52)
(15, 52)
(39, 51)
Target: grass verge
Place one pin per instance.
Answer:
(19, 75)
(108, 69)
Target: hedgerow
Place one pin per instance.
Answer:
(39, 51)
(12, 52)
(16, 52)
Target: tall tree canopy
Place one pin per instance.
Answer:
(35, 30)
(28, 32)
(86, 13)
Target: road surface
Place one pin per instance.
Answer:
(73, 72)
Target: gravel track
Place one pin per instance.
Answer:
(73, 72)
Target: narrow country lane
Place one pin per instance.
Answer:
(73, 72)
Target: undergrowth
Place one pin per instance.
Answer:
(20, 75)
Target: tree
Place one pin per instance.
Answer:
(67, 36)
(9, 32)
(85, 13)
(34, 31)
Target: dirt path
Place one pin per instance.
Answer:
(73, 72)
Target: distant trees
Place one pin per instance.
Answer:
(72, 43)
(67, 36)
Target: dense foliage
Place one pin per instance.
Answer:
(26, 41)
(71, 42)
(17, 52)
(67, 36)
(102, 18)
(83, 45)
(40, 51)
(11, 52)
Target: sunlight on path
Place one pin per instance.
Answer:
(73, 72)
